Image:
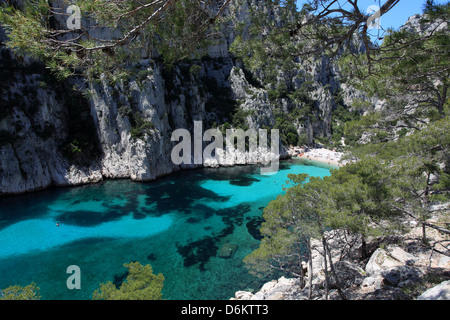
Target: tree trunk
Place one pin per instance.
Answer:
(325, 266)
(333, 271)
(363, 247)
(310, 267)
(424, 236)
(425, 203)
(443, 98)
(301, 276)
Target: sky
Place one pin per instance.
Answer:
(396, 17)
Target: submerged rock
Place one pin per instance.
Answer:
(198, 252)
(227, 250)
(253, 227)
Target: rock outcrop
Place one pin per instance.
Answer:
(280, 289)
(439, 292)
(391, 273)
(227, 250)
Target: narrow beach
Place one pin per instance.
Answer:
(319, 156)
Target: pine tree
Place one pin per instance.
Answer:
(141, 284)
(67, 38)
(410, 70)
(30, 292)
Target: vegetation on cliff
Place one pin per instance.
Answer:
(399, 159)
(102, 36)
(399, 162)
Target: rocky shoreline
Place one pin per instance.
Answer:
(401, 267)
(77, 177)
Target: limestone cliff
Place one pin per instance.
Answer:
(53, 135)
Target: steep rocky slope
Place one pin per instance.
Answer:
(403, 269)
(53, 135)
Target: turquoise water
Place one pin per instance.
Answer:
(177, 224)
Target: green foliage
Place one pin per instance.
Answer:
(369, 196)
(280, 92)
(140, 126)
(301, 95)
(288, 131)
(410, 68)
(264, 52)
(30, 292)
(141, 284)
(406, 165)
(310, 207)
(441, 189)
(195, 70)
(354, 130)
(176, 29)
(239, 119)
(302, 139)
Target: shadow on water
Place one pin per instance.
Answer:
(162, 196)
(253, 227)
(39, 204)
(181, 195)
(84, 218)
(244, 181)
(27, 206)
(200, 251)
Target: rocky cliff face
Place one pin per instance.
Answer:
(397, 272)
(52, 135)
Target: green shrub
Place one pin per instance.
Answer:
(30, 292)
(141, 284)
(195, 70)
(140, 126)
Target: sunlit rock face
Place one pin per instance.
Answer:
(52, 135)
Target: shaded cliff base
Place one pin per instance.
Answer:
(78, 175)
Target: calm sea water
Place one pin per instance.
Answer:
(177, 224)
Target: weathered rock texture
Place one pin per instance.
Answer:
(52, 135)
(393, 273)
